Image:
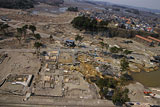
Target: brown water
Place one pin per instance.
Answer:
(148, 79)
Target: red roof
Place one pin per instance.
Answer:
(143, 38)
(149, 28)
(153, 38)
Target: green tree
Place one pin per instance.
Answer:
(114, 49)
(124, 65)
(20, 31)
(104, 84)
(102, 45)
(24, 29)
(4, 28)
(18, 37)
(120, 96)
(37, 36)
(88, 24)
(51, 39)
(103, 92)
(37, 45)
(73, 9)
(101, 83)
(126, 52)
(112, 83)
(1, 27)
(125, 79)
(17, 4)
(19, 34)
(32, 28)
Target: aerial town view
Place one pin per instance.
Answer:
(79, 53)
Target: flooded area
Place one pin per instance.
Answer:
(148, 79)
(48, 9)
(35, 12)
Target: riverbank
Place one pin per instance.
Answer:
(136, 94)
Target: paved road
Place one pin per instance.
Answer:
(33, 50)
(9, 100)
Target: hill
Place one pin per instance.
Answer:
(26, 4)
(17, 4)
(52, 2)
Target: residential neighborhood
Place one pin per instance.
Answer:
(124, 20)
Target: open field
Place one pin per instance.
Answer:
(19, 63)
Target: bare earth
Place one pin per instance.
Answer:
(18, 63)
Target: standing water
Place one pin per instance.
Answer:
(148, 79)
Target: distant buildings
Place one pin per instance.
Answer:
(128, 22)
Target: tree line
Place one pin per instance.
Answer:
(101, 27)
(26, 4)
(72, 9)
(22, 32)
(17, 4)
(88, 24)
(51, 2)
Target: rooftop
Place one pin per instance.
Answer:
(148, 40)
(153, 38)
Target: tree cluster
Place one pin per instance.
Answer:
(17, 4)
(112, 89)
(73, 9)
(26, 4)
(22, 32)
(124, 65)
(51, 2)
(104, 84)
(115, 49)
(88, 24)
(4, 28)
(120, 96)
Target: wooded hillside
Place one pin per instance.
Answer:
(26, 4)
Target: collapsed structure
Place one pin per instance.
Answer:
(17, 84)
(58, 79)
